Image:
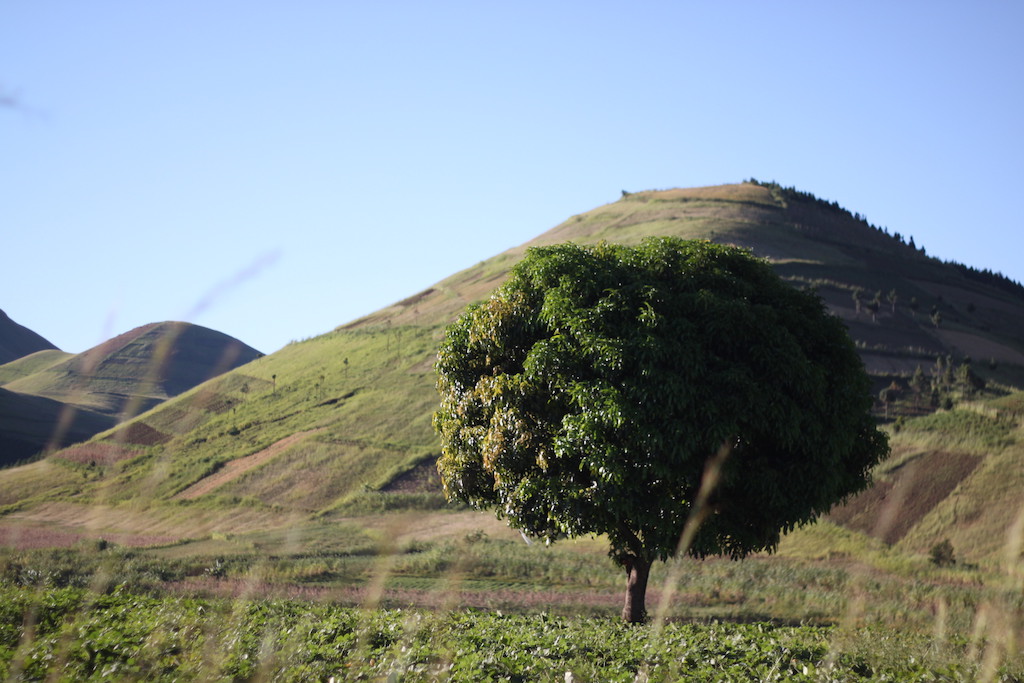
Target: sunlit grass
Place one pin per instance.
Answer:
(763, 619)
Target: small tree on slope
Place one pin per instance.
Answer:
(588, 394)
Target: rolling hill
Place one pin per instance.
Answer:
(17, 340)
(338, 426)
(51, 398)
(29, 424)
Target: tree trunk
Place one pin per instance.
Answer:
(637, 571)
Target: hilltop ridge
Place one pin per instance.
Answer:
(17, 340)
(887, 290)
(147, 365)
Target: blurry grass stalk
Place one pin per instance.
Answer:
(699, 511)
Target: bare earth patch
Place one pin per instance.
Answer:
(142, 434)
(26, 536)
(98, 453)
(237, 468)
(891, 508)
(421, 478)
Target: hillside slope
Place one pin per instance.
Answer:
(29, 424)
(137, 369)
(341, 423)
(17, 340)
(52, 399)
(31, 364)
(811, 243)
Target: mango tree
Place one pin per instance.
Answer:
(590, 392)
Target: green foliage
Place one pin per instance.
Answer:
(918, 382)
(71, 634)
(588, 394)
(942, 555)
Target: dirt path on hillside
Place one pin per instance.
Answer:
(240, 466)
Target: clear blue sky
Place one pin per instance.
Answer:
(275, 169)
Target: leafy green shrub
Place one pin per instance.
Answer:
(941, 554)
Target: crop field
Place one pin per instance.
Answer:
(73, 634)
(473, 604)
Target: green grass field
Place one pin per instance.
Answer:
(78, 635)
(349, 604)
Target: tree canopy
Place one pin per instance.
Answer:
(587, 395)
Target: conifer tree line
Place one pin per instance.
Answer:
(986, 275)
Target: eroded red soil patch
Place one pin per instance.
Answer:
(237, 468)
(142, 434)
(891, 508)
(26, 537)
(98, 453)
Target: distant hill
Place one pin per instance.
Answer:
(119, 378)
(339, 424)
(811, 243)
(31, 364)
(17, 341)
(139, 368)
(29, 424)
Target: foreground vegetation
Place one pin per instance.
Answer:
(483, 607)
(74, 634)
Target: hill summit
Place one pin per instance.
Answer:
(17, 340)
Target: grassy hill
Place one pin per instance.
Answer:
(336, 429)
(51, 398)
(31, 364)
(17, 340)
(134, 370)
(30, 423)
